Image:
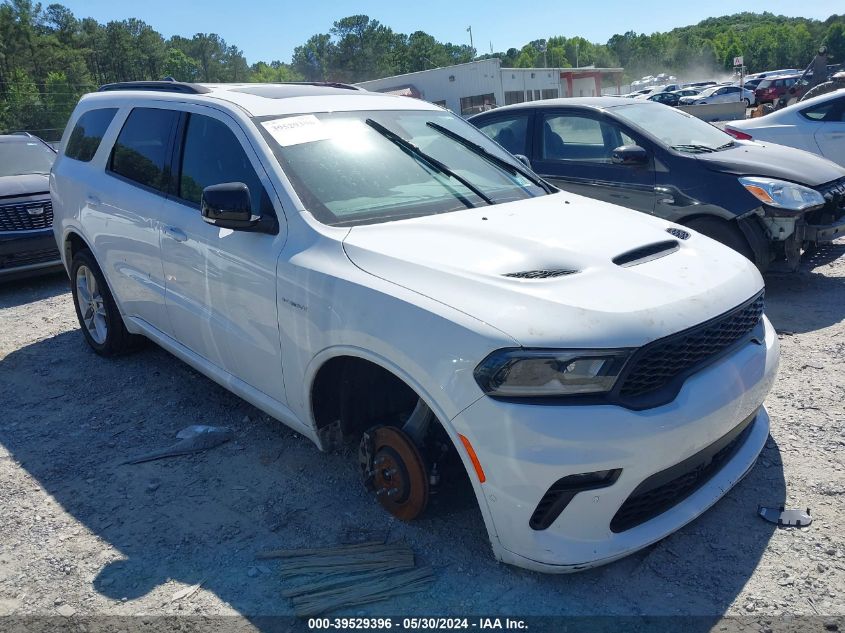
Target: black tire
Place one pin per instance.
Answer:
(728, 233)
(107, 335)
(747, 103)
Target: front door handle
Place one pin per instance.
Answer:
(176, 234)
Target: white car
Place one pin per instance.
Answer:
(372, 268)
(656, 90)
(721, 94)
(816, 125)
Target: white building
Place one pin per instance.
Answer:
(477, 86)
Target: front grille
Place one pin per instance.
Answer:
(834, 194)
(29, 258)
(834, 208)
(26, 216)
(669, 487)
(659, 363)
(541, 274)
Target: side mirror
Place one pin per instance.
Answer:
(228, 205)
(522, 158)
(629, 155)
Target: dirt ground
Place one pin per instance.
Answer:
(82, 535)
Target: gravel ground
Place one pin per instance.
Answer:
(83, 535)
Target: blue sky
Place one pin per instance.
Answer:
(269, 29)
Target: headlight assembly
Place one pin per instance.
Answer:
(518, 372)
(782, 194)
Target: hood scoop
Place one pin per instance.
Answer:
(679, 233)
(540, 274)
(647, 253)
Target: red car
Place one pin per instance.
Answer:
(773, 88)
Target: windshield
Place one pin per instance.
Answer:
(364, 167)
(678, 130)
(709, 91)
(29, 157)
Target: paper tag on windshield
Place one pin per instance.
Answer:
(294, 130)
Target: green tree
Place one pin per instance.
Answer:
(274, 72)
(834, 39)
(179, 66)
(313, 59)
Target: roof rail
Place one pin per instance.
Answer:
(168, 85)
(324, 84)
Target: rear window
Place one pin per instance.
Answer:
(88, 132)
(140, 152)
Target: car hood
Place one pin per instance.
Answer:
(25, 185)
(753, 158)
(460, 259)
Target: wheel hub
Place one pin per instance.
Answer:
(393, 468)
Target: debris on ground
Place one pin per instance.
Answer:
(349, 575)
(363, 589)
(192, 439)
(187, 592)
(785, 518)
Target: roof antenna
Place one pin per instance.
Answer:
(168, 78)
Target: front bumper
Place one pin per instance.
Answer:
(824, 232)
(28, 252)
(525, 448)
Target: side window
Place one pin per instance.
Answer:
(832, 110)
(87, 134)
(579, 138)
(140, 152)
(512, 134)
(626, 140)
(571, 137)
(212, 155)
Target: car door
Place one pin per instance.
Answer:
(123, 213)
(720, 96)
(573, 150)
(221, 283)
(830, 133)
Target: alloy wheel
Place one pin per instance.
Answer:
(92, 306)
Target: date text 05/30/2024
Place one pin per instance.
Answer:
(414, 624)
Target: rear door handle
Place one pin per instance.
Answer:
(176, 234)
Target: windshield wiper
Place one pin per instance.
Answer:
(726, 145)
(694, 148)
(492, 158)
(432, 162)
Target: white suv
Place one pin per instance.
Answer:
(370, 267)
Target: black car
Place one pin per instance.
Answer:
(27, 245)
(765, 201)
(666, 98)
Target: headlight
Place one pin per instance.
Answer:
(782, 194)
(547, 372)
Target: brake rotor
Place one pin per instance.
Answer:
(393, 467)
